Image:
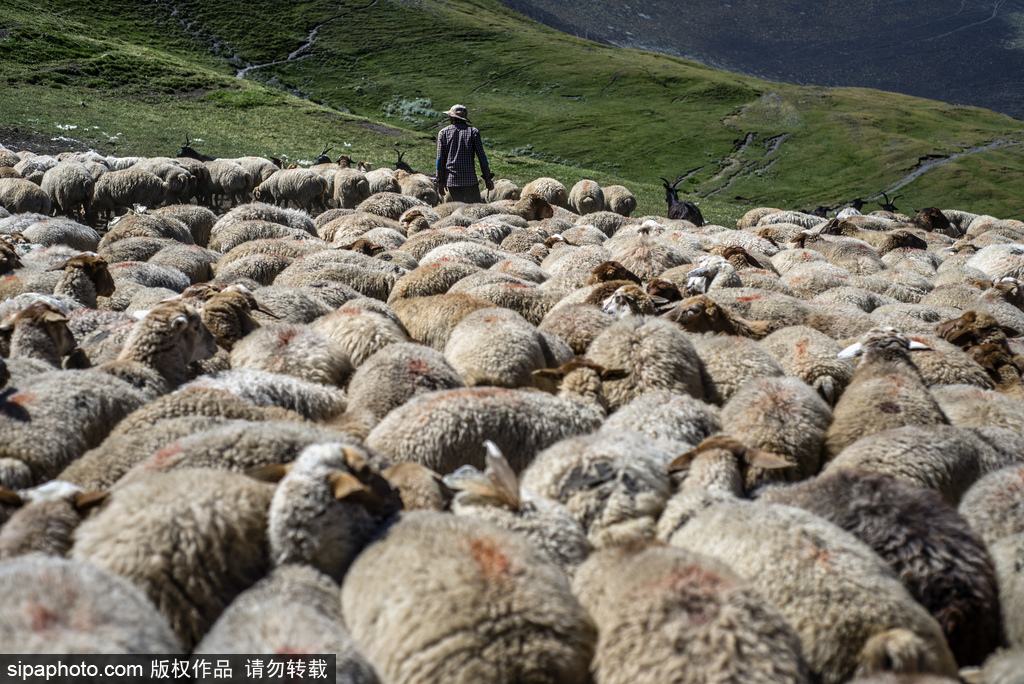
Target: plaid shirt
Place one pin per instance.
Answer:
(456, 145)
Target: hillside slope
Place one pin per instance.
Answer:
(137, 77)
(961, 51)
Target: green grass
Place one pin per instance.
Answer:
(135, 79)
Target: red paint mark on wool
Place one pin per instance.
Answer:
(166, 455)
(23, 399)
(751, 298)
(418, 367)
(286, 336)
(41, 617)
(492, 562)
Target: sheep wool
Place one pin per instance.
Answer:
(664, 614)
(457, 599)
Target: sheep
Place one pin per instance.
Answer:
(515, 618)
(665, 614)
(389, 204)
(431, 319)
(382, 180)
(727, 363)
(494, 495)
(311, 400)
(292, 304)
(847, 607)
(200, 220)
(811, 356)
(615, 484)
(932, 549)
(148, 225)
(619, 199)
(195, 262)
(39, 332)
(157, 531)
(33, 167)
(261, 211)
(228, 179)
(86, 277)
(293, 350)
(295, 608)
(992, 507)
(70, 188)
(655, 354)
(782, 416)
(967, 405)
(304, 187)
(443, 430)
(391, 377)
(19, 196)
(886, 391)
(241, 232)
(54, 605)
(360, 332)
(586, 197)
(497, 347)
(576, 324)
(945, 458)
(120, 190)
(504, 189)
(417, 185)
(46, 521)
(179, 183)
(701, 314)
(350, 188)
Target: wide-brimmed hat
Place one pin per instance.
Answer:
(458, 112)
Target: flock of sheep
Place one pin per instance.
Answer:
(532, 440)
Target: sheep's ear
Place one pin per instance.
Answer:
(1010, 332)
(9, 497)
(550, 373)
(658, 301)
(766, 460)
(54, 317)
(613, 374)
(354, 460)
(919, 346)
(58, 267)
(179, 323)
(854, 350)
(682, 462)
(7, 324)
(140, 314)
(345, 485)
(269, 473)
(86, 501)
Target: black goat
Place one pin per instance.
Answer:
(404, 166)
(187, 151)
(322, 158)
(680, 210)
(890, 204)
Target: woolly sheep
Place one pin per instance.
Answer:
(431, 319)
(504, 189)
(811, 356)
(199, 220)
(945, 458)
(304, 187)
(619, 199)
(443, 430)
(54, 605)
(992, 507)
(157, 531)
(495, 495)
(311, 400)
(228, 179)
(782, 416)
(120, 190)
(931, 548)
(294, 608)
(886, 391)
(516, 619)
(968, 405)
(848, 609)
(496, 347)
(586, 197)
(19, 196)
(615, 484)
(350, 188)
(550, 189)
(729, 362)
(389, 204)
(70, 188)
(665, 614)
(655, 354)
(359, 332)
(293, 350)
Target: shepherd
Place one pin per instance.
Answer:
(456, 171)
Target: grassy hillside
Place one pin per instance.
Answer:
(135, 77)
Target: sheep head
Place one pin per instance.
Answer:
(629, 300)
(975, 327)
(886, 341)
(498, 483)
(906, 239)
(419, 487)
(533, 207)
(700, 314)
(740, 452)
(931, 219)
(580, 379)
(46, 318)
(740, 258)
(92, 266)
(170, 333)
(663, 291)
(8, 258)
(610, 270)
